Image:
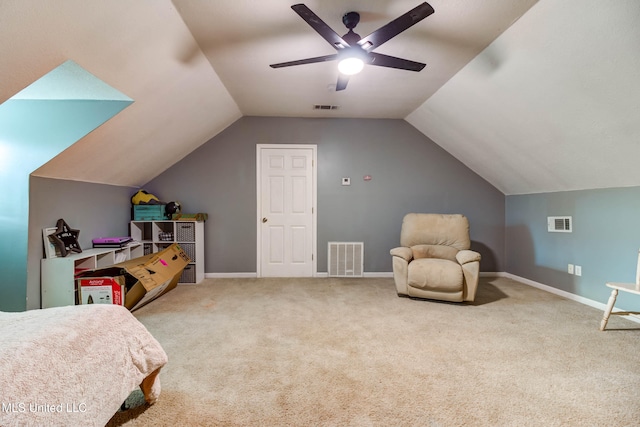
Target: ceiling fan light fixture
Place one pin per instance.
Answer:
(354, 51)
(351, 65)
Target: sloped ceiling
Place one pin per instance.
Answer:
(130, 45)
(241, 39)
(559, 109)
(533, 96)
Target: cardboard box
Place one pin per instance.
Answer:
(102, 290)
(148, 277)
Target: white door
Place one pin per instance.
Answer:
(286, 216)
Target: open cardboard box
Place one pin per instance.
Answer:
(147, 277)
(101, 290)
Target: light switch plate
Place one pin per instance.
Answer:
(346, 181)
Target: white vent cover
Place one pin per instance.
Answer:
(345, 259)
(559, 224)
(325, 107)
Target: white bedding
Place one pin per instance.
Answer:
(74, 366)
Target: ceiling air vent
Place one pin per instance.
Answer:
(559, 224)
(325, 107)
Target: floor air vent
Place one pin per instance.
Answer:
(345, 259)
(559, 224)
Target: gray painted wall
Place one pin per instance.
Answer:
(96, 210)
(605, 241)
(410, 174)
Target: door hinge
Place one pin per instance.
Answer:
(311, 257)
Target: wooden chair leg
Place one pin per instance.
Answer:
(151, 387)
(607, 312)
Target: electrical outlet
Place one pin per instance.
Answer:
(578, 270)
(570, 269)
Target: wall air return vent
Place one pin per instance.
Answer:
(559, 224)
(325, 107)
(345, 259)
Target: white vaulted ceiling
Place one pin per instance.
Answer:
(559, 109)
(533, 95)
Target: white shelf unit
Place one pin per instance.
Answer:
(157, 235)
(58, 285)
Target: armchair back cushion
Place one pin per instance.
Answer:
(435, 229)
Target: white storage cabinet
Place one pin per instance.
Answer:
(157, 235)
(58, 274)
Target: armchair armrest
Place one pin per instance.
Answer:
(402, 252)
(465, 256)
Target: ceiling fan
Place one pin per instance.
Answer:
(354, 51)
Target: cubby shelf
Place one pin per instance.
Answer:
(58, 274)
(157, 235)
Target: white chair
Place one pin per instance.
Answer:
(632, 288)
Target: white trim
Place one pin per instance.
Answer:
(556, 291)
(528, 282)
(371, 275)
(377, 274)
(490, 274)
(320, 275)
(314, 215)
(560, 292)
(230, 275)
(324, 274)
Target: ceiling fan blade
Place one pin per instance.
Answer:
(395, 27)
(393, 62)
(343, 79)
(318, 24)
(305, 61)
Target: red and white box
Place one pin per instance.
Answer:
(101, 290)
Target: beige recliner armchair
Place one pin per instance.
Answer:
(434, 260)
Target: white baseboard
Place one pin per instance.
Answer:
(380, 274)
(230, 275)
(565, 294)
(556, 291)
(375, 274)
(255, 275)
(573, 297)
(322, 274)
(490, 274)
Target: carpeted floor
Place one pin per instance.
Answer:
(349, 352)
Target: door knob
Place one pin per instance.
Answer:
(264, 219)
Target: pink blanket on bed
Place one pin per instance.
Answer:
(74, 365)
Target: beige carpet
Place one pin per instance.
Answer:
(349, 352)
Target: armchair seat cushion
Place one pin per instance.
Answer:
(434, 274)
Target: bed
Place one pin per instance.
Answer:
(74, 365)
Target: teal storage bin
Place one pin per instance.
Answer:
(148, 213)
